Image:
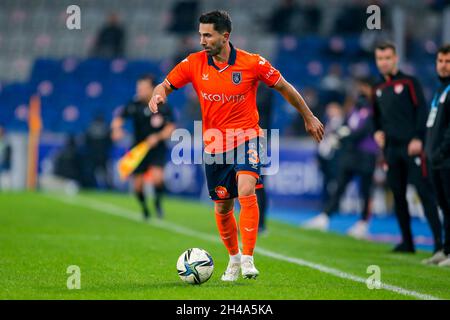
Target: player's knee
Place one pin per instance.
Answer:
(224, 207)
(246, 189)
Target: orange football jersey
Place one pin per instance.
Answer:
(227, 94)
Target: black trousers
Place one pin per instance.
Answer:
(352, 165)
(441, 182)
(403, 169)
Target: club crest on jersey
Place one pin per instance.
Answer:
(398, 88)
(236, 77)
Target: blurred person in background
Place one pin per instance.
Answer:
(400, 113)
(155, 129)
(184, 16)
(68, 161)
(328, 151)
(358, 155)
(110, 41)
(5, 154)
(333, 83)
(437, 148)
(185, 47)
(98, 145)
(282, 17)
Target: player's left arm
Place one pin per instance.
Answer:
(313, 125)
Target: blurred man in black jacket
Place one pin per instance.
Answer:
(400, 113)
(437, 148)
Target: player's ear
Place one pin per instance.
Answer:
(226, 36)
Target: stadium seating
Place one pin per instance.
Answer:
(55, 61)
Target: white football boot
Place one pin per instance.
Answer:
(359, 230)
(437, 258)
(248, 267)
(233, 268)
(320, 222)
(445, 263)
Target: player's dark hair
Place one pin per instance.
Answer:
(219, 18)
(148, 77)
(444, 49)
(386, 45)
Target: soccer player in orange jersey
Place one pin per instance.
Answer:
(226, 79)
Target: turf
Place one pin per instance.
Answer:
(121, 257)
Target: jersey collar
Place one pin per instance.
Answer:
(231, 59)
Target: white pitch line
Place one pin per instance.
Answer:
(125, 213)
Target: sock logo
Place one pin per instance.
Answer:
(249, 229)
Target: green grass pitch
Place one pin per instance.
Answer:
(121, 257)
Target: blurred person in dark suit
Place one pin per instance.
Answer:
(437, 148)
(110, 41)
(98, 144)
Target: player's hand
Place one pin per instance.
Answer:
(155, 101)
(152, 140)
(415, 147)
(117, 134)
(380, 138)
(315, 128)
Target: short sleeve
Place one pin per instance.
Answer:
(180, 75)
(266, 73)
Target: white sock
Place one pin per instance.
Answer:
(236, 258)
(246, 258)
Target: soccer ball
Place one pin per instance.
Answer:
(195, 266)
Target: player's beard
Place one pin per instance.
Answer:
(214, 50)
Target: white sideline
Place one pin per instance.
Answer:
(125, 213)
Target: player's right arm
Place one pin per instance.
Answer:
(159, 96)
(177, 78)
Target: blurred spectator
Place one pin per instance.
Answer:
(5, 154)
(358, 154)
(110, 41)
(310, 16)
(281, 19)
(98, 144)
(184, 15)
(351, 19)
(328, 151)
(333, 84)
(185, 47)
(68, 161)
